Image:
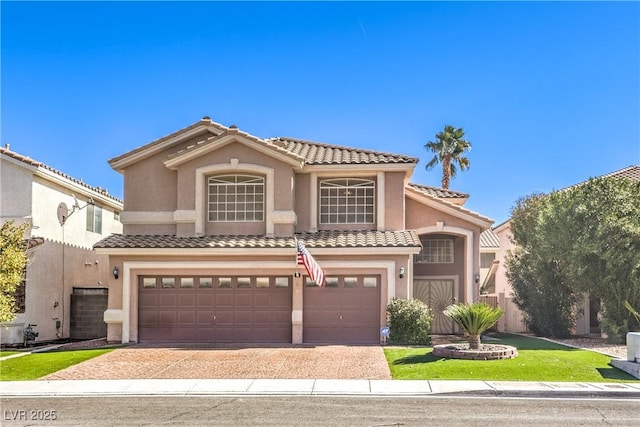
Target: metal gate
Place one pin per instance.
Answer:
(437, 294)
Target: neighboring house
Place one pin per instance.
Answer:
(208, 251)
(587, 321)
(65, 287)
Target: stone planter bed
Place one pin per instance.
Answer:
(485, 352)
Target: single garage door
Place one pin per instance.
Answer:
(345, 311)
(232, 309)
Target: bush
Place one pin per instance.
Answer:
(409, 322)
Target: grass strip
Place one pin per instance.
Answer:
(538, 360)
(37, 365)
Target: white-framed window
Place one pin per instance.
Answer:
(435, 251)
(94, 219)
(347, 201)
(236, 198)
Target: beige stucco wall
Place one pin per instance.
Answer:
(394, 218)
(15, 189)
(65, 259)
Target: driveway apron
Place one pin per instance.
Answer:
(194, 362)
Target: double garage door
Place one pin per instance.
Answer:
(254, 309)
(214, 309)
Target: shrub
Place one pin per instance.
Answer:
(409, 322)
(474, 319)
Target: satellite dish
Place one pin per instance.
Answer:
(63, 212)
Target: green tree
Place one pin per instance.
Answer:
(474, 319)
(449, 149)
(605, 258)
(12, 262)
(585, 239)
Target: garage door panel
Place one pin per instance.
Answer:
(263, 317)
(167, 300)
(186, 318)
(148, 318)
(148, 300)
(187, 301)
(205, 317)
(206, 300)
(166, 318)
(224, 317)
(263, 300)
(243, 318)
(244, 300)
(224, 299)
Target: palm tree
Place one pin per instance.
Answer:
(449, 149)
(474, 319)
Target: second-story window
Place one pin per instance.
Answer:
(236, 198)
(347, 201)
(94, 219)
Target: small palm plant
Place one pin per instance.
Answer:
(474, 319)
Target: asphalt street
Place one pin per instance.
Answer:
(316, 411)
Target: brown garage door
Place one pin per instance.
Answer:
(345, 311)
(246, 309)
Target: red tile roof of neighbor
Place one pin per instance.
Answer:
(321, 239)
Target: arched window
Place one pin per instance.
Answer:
(347, 201)
(236, 198)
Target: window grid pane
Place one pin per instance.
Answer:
(236, 198)
(435, 251)
(347, 201)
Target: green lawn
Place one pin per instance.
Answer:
(37, 365)
(538, 360)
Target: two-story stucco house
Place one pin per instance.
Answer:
(65, 287)
(208, 252)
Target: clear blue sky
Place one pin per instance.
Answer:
(547, 92)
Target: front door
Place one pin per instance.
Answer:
(437, 294)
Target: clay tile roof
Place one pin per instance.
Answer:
(29, 161)
(489, 239)
(631, 172)
(438, 192)
(316, 153)
(360, 239)
(322, 239)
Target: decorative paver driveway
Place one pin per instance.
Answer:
(190, 362)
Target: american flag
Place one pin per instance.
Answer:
(310, 264)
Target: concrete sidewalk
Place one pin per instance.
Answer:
(314, 387)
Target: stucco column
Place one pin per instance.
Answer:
(296, 310)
